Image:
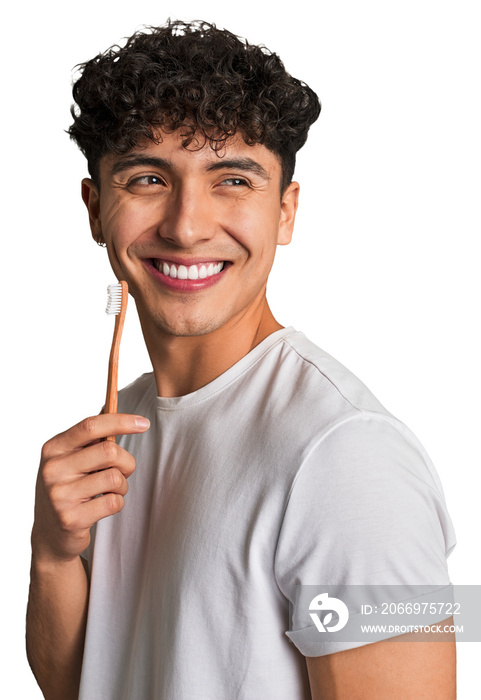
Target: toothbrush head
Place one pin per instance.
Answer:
(116, 293)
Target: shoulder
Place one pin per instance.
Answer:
(355, 432)
(310, 394)
(325, 372)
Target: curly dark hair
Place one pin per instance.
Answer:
(191, 75)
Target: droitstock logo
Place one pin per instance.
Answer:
(323, 603)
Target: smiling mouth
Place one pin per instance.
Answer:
(198, 271)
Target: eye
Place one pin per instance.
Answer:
(235, 182)
(145, 181)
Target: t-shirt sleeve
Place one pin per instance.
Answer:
(366, 509)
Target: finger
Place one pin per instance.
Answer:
(68, 497)
(93, 429)
(75, 521)
(105, 505)
(66, 468)
(101, 483)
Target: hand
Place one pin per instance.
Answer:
(82, 479)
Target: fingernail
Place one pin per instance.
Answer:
(141, 422)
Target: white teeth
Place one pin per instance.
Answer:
(192, 272)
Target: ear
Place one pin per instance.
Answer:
(91, 198)
(289, 203)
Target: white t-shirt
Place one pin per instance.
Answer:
(284, 470)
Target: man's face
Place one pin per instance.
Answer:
(193, 233)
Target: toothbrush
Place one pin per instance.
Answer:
(116, 304)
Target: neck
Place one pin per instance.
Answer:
(184, 364)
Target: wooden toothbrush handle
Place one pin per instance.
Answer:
(112, 382)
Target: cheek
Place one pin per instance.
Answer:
(122, 224)
(256, 229)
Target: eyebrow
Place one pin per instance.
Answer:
(135, 160)
(243, 164)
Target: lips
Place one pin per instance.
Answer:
(188, 272)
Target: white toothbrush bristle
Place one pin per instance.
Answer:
(114, 301)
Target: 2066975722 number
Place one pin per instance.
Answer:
(420, 609)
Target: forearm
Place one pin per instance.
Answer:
(56, 621)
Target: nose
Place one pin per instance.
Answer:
(188, 217)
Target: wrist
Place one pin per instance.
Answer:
(47, 564)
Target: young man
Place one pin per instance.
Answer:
(255, 462)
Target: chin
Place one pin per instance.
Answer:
(188, 327)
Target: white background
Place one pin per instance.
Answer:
(383, 272)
